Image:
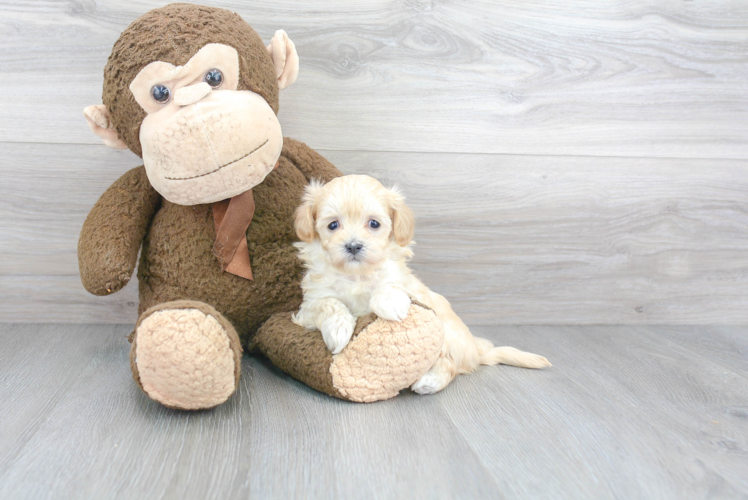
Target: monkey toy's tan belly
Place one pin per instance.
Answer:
(177, 260)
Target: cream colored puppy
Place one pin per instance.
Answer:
(355, 242)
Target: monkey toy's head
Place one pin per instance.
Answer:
(194, 92)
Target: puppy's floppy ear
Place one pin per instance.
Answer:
(403, 220)
(304, 216)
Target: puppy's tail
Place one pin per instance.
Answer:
(490, 355)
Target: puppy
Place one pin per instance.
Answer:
(355, 242)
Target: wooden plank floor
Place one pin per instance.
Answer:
(626, 412)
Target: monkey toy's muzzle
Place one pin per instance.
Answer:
(206, 151)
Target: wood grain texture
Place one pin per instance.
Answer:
(626, 412)
(507, 239)
(38, 365)
(512, 239)
(623, 78)
(671, 401)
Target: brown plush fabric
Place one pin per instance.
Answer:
(173, 34)
(178, 268)
(309, 162)
(177, 260)
(362, 323)
(299, 352)
(113, 231)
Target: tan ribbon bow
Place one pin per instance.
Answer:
(231, 219)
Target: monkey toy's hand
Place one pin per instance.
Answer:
(113, 231)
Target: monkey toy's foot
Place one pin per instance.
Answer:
(185, 355)
(382, 358)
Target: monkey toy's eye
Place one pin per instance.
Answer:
(374, 224)
(160, 93)
(214, 78)
(333, 225)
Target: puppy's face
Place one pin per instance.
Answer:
(357, 220)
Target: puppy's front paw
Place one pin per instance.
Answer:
(337, 331)
(390, 303)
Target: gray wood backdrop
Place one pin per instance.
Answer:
(570, 162)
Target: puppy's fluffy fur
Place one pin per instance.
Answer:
(355, 242)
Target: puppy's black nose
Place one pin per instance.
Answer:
(353, 247)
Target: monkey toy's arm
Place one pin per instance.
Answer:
(113, 231)
(312, 164)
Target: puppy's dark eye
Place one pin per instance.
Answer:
(160, 93)
(214, 78)
(333, 225)
(374, 224)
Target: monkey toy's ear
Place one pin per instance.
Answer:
(100, 124)
(285, 59)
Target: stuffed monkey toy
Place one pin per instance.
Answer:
(194, 91)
